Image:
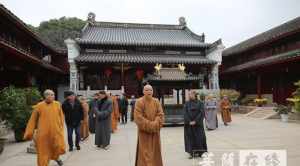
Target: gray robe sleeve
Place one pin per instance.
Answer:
(187, 117)
(200, 117)
(104, 114)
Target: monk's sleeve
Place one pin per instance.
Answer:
(61, 117)
(87, 108)
(200, 117)
(187, 118)
(31, 125)
(105, 113)
(222, 104)
(116, 109)
(82, 111)
(142, 123)
(91, 108)
(160, 116)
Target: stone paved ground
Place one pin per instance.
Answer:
(243, 133)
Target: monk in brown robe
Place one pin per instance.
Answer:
(48, 121)
(84, 126)
(149, 117)
(115, 115)
(225, 110)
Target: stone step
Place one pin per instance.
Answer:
(262, 113)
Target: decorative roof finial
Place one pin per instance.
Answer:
(203, 37)
(91, 17)
(182, 21)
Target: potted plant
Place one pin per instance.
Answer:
(295, 100)
(283, 111)
(232, 94)
(260, 101)
(16, 107)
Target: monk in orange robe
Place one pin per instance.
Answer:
(48, 121)
(225, 110)
(149, 117)
(84, 126)
(115, 114)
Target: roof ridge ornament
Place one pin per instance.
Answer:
(91, 17)
(182, 21)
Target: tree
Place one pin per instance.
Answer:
(55, 31)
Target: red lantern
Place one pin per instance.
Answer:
(139, 74)
(108, 72)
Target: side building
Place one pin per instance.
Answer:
(266, 65)
(25, 59)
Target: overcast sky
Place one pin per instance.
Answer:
(231, 20)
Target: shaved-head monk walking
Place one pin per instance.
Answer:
(149, 117)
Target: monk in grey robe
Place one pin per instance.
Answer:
(103, 121)
(211, 119)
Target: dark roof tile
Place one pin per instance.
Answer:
(140, 35)
(144, 58)
(290, 26)
(265, 61)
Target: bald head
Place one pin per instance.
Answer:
(192, 95)
(48, 92)
(148, 90)
(148, 87)
(49, 95)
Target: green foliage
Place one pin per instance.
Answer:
(33, 96)
(282, 109)
(55, 31)
(296, 95)
(16, 105)
(247, 100)
(232, 94)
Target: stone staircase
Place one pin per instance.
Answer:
(262, 113)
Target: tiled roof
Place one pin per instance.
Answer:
(265, 61)
(268, 36)
(172, 74)
(142, 58)
(130, 34)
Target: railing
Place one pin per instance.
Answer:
(15, 46)
(21, 49)
(90, 93)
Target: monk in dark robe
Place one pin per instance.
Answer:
(225, 110)
(149, 117)
(194, 134)
(103, 121)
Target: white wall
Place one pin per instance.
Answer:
(215, 55)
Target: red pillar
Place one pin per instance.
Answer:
(258, 85)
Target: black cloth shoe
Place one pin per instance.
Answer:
(78, 147)
(70, 149)
(59, 162)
